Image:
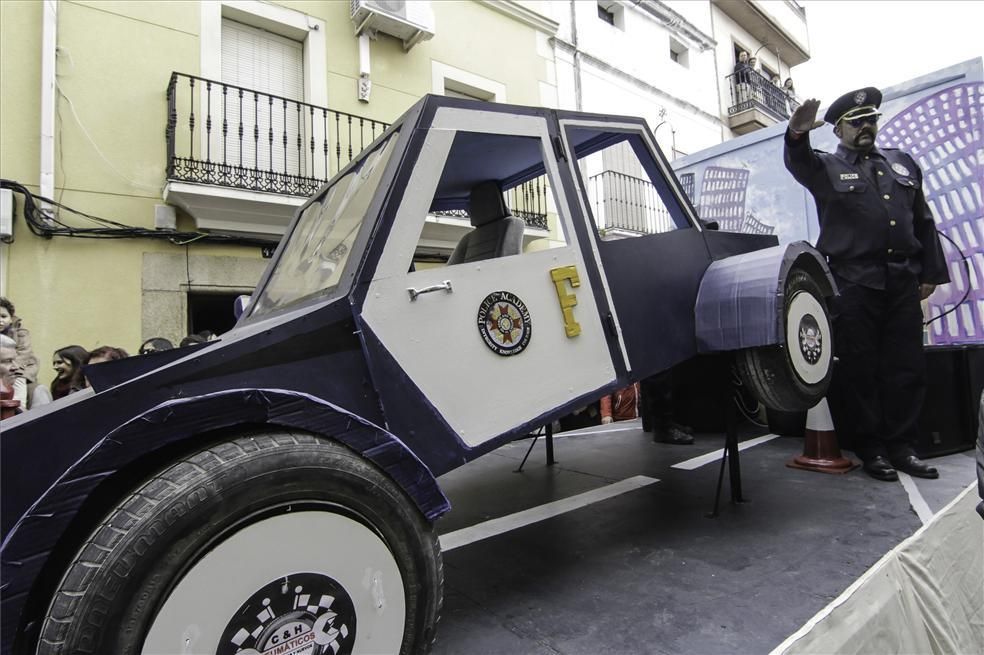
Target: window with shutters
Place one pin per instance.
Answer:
(262, 129)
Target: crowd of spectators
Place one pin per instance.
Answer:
(751, 83)
(19, 387)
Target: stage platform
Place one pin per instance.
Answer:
(610, 550)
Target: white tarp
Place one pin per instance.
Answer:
(926, 595)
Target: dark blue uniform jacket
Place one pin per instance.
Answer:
(872, 212)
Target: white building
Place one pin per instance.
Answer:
(671, 62)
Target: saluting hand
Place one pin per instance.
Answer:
(804, 118)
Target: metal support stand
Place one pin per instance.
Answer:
(545, 431)
(729, 457)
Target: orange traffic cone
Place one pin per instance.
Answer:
(821, 452)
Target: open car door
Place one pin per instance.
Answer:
(503, 332)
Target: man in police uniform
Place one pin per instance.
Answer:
(880, 240)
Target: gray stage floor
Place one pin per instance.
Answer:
(644, 570)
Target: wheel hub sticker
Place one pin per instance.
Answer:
(300, 614)
(810, 339)
(504, 323)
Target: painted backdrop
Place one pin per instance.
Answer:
(938, 119)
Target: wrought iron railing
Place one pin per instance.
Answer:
(231, 136)
(223, 134)
(629, 203)
(750, 89)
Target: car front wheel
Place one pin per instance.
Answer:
(282, 542)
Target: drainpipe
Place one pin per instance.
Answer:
(365, 84)
(717, 82)
(577, 58)
(49, 46)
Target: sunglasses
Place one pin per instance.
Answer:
(858, 122)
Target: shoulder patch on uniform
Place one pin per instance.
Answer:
(900, 169)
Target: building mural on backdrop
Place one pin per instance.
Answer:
(938, 119)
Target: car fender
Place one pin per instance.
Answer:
(26, 548)
(740, 299)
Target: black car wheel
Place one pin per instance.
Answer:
(794, 376)
(281, 541)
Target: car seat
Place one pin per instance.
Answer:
(497, 233)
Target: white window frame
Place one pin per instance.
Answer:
(681, 51)
(290, 23)
(616, 10)
(444, 76)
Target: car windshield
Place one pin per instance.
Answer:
(321, 242)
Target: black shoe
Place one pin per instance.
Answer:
(674, 434)
(916, 467)
(879, 468)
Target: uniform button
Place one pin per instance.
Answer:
(866, 156)
(892, 223)
(887, 197)
(880, 173)
(850, 188)
(889, 251)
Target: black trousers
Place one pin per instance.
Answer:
(879, 381)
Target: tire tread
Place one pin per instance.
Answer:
(71, 603)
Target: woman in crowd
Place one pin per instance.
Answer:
(68, 363)
(26, 364)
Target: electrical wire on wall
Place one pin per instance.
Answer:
(45, 224)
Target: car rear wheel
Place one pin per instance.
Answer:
(282, 542)
(793, 376)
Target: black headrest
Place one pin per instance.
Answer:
(486, 204)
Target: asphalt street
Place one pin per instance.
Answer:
(611, 550)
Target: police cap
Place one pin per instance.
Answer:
(855, 104)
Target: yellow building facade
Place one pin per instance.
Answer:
(128, 111)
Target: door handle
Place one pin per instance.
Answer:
(443, 286)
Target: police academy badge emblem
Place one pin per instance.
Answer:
(860, 97)
(900, 169)
(504, 323)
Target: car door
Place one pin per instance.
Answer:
(489, 345)
(646, 240)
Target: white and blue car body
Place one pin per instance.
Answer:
(412, 370)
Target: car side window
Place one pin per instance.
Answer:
(494, 199)
(627, 194)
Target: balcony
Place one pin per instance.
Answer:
(781, 26)
(240, 161)
(756, 102)
(625, 205)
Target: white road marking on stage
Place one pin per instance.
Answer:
(915, 498)
(697, 462)
(578, 433)
(503, 524)
(871, 572)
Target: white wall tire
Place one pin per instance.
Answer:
(317, 554)
(793, 376)
(808, 338)
(277, 541)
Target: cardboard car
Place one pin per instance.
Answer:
(275, 490)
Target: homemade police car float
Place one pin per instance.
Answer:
(274, 491)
